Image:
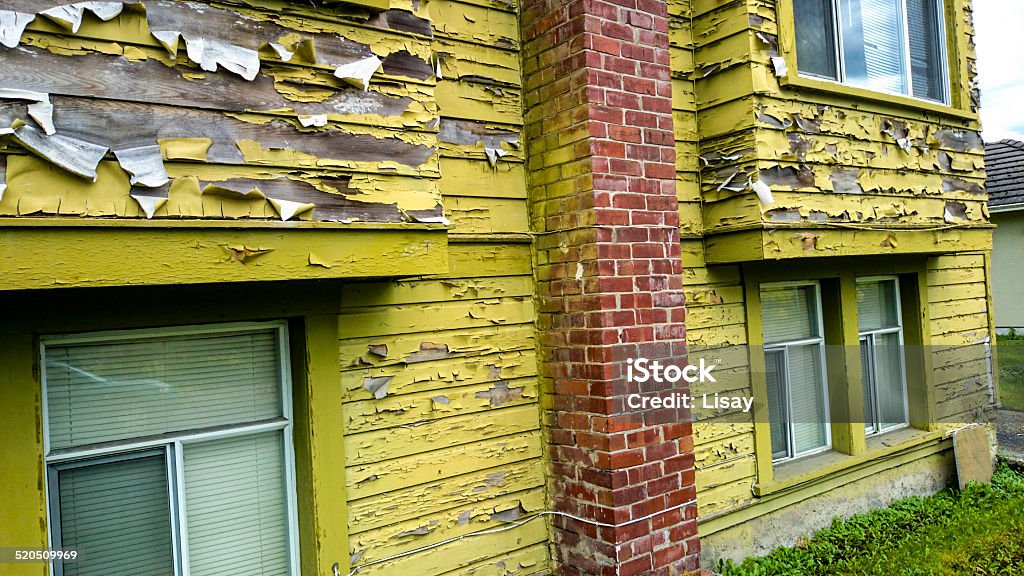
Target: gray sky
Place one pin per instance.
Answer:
(1000, 43)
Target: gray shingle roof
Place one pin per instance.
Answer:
(1004, 163)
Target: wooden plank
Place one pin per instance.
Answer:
(960, 323)
(398, 292)
(460, 521)
(474, 260)
(362, 354)
(407, 319)
(413, 502)
(958, 292)
(120, 125)
(418, 409)
(105, 77)
(973, 458)
(382, 477)
(464, 553)
(532, 561)
(487, 215)
(125, 256)
(462, 177)
(389, 443)
(439, 374)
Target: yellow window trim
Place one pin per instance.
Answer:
(850, 443)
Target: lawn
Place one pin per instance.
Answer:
(979, 531)
(1010, 356)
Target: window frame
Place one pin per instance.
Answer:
(784, 346)
(958, 95)
(876, 428)
(172, 444)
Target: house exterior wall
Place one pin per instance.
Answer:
(894, 181)
(1006, 270)
(451, 443)
(442, 321)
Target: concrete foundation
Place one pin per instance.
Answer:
(784, 527)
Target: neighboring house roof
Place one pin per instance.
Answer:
(1004, 163)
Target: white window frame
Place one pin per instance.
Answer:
(784, 348)
(875, 428)
(905, 33)
(172, 445)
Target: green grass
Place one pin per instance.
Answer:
(979, 531)
(1010, 355)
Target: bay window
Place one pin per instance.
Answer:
(893, 46)
(169, 452)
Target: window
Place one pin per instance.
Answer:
(169, 452)
(881, 354)
(794, 362)
(894, 46)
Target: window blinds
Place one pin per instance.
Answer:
(236, 506)
(925, 48)
(889, 380)
(807, 399)
(873, 44)
(117, 513)
(789, 313)
(775, 368)
(876, 305)
(121, 389)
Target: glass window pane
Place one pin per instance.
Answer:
(118, 515)
(876, 305)
(926, 48)
(815, 38)
(120, 389)
(775, 367)
(873, 47)
(890, 381)
(867, 375)
(807, 397)
(236, 507)
(789, 313)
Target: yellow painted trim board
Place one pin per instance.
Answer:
(319, 446)
(23, 513)
(61, 258)
(778, 243)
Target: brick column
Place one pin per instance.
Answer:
(609, 282)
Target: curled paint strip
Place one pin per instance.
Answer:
(12, 26)
(70, 15)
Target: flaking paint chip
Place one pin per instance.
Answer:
(763, 191)
(70, 15)
(779, 64)
(40, 108)
(149, 204)
(377, 386)
(214, 54)
(287, 209)
(316, 120)
(358, 73)
(144, 164)
(76, 156)
(12, 26)
(493, 155)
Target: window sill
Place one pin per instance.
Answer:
(886, 100)
(811, 468)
